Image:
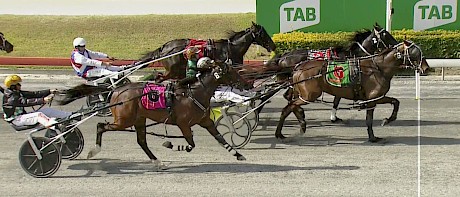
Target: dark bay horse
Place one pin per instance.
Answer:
(4, 44)
(191, 107)
(377, 72)
(366, 42)
(232, 48)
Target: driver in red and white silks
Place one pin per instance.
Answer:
(15, 99)
(85, 62)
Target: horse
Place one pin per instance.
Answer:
(232, 48)
(364, 42)
(4, 44)
(190, 107)
(309, 80)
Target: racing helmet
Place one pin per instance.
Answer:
(204, 62)
(79, 42)
(12, 80)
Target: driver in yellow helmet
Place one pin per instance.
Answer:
(15, 99)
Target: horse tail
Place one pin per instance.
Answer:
(2, 90)
(67, 96)
(150, 56)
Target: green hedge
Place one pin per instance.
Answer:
(435, 44)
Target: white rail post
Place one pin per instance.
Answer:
(389, 14)
(417, 85)
(442, 73)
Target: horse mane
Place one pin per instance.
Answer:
(358, 37)
(231, 35)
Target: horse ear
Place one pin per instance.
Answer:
(253, 24)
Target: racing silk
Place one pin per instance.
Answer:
(82, 62)
(191, 69)
(15, 101)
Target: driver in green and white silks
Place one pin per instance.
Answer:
(15, 99)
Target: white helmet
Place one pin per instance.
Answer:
(79, 42)
(204, 62)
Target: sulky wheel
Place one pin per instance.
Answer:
(95, 101)
(73, 145)
(253, 117)
(40, 168)
(242, 134)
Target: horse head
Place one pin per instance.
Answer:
(226, 74)
(261, 37)
(373, 41)
(381, 36)
(411, 56)
(4, 44)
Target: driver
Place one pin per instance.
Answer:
(85, 62)
(15, 99)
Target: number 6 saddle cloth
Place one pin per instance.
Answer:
(154, 96)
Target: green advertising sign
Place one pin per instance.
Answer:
(351, 15)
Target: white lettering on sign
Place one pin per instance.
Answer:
(299, 14)
(434, 13)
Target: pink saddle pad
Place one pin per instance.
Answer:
(154, 96)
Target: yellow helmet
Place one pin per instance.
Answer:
(12, 80)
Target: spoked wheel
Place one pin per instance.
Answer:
(73, 146)
(100, 100)
(40, 168)
(252, 117)
(242, 134)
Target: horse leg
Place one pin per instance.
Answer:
(208, 124)
(394, 114)
(139, 125)
(284, 114)
(188, 135)
(334, 117)
(102, 128)
(300, 114)
(369, 120)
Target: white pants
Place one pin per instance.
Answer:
(44, 116)
(102, 71)
(227, 95)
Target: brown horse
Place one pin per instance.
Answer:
(4, 44)
(190, 107)
(232, 48)
(377, 71)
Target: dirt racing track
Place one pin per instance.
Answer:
(329, 160)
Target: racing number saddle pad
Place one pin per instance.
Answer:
(338, 74)
(154, 96)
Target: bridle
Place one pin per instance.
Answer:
(379, 39)
(407, 61)
(376, 41)
(256, 35)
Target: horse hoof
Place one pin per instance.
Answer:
(377, 140)
(168, 144)
(159, 165)
(385, 122)
(93, 152)
(241, 158)
(337, 120)
(281, 137)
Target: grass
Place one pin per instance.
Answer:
(124, 37)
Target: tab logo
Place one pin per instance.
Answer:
(299, 14)
(434, 13)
